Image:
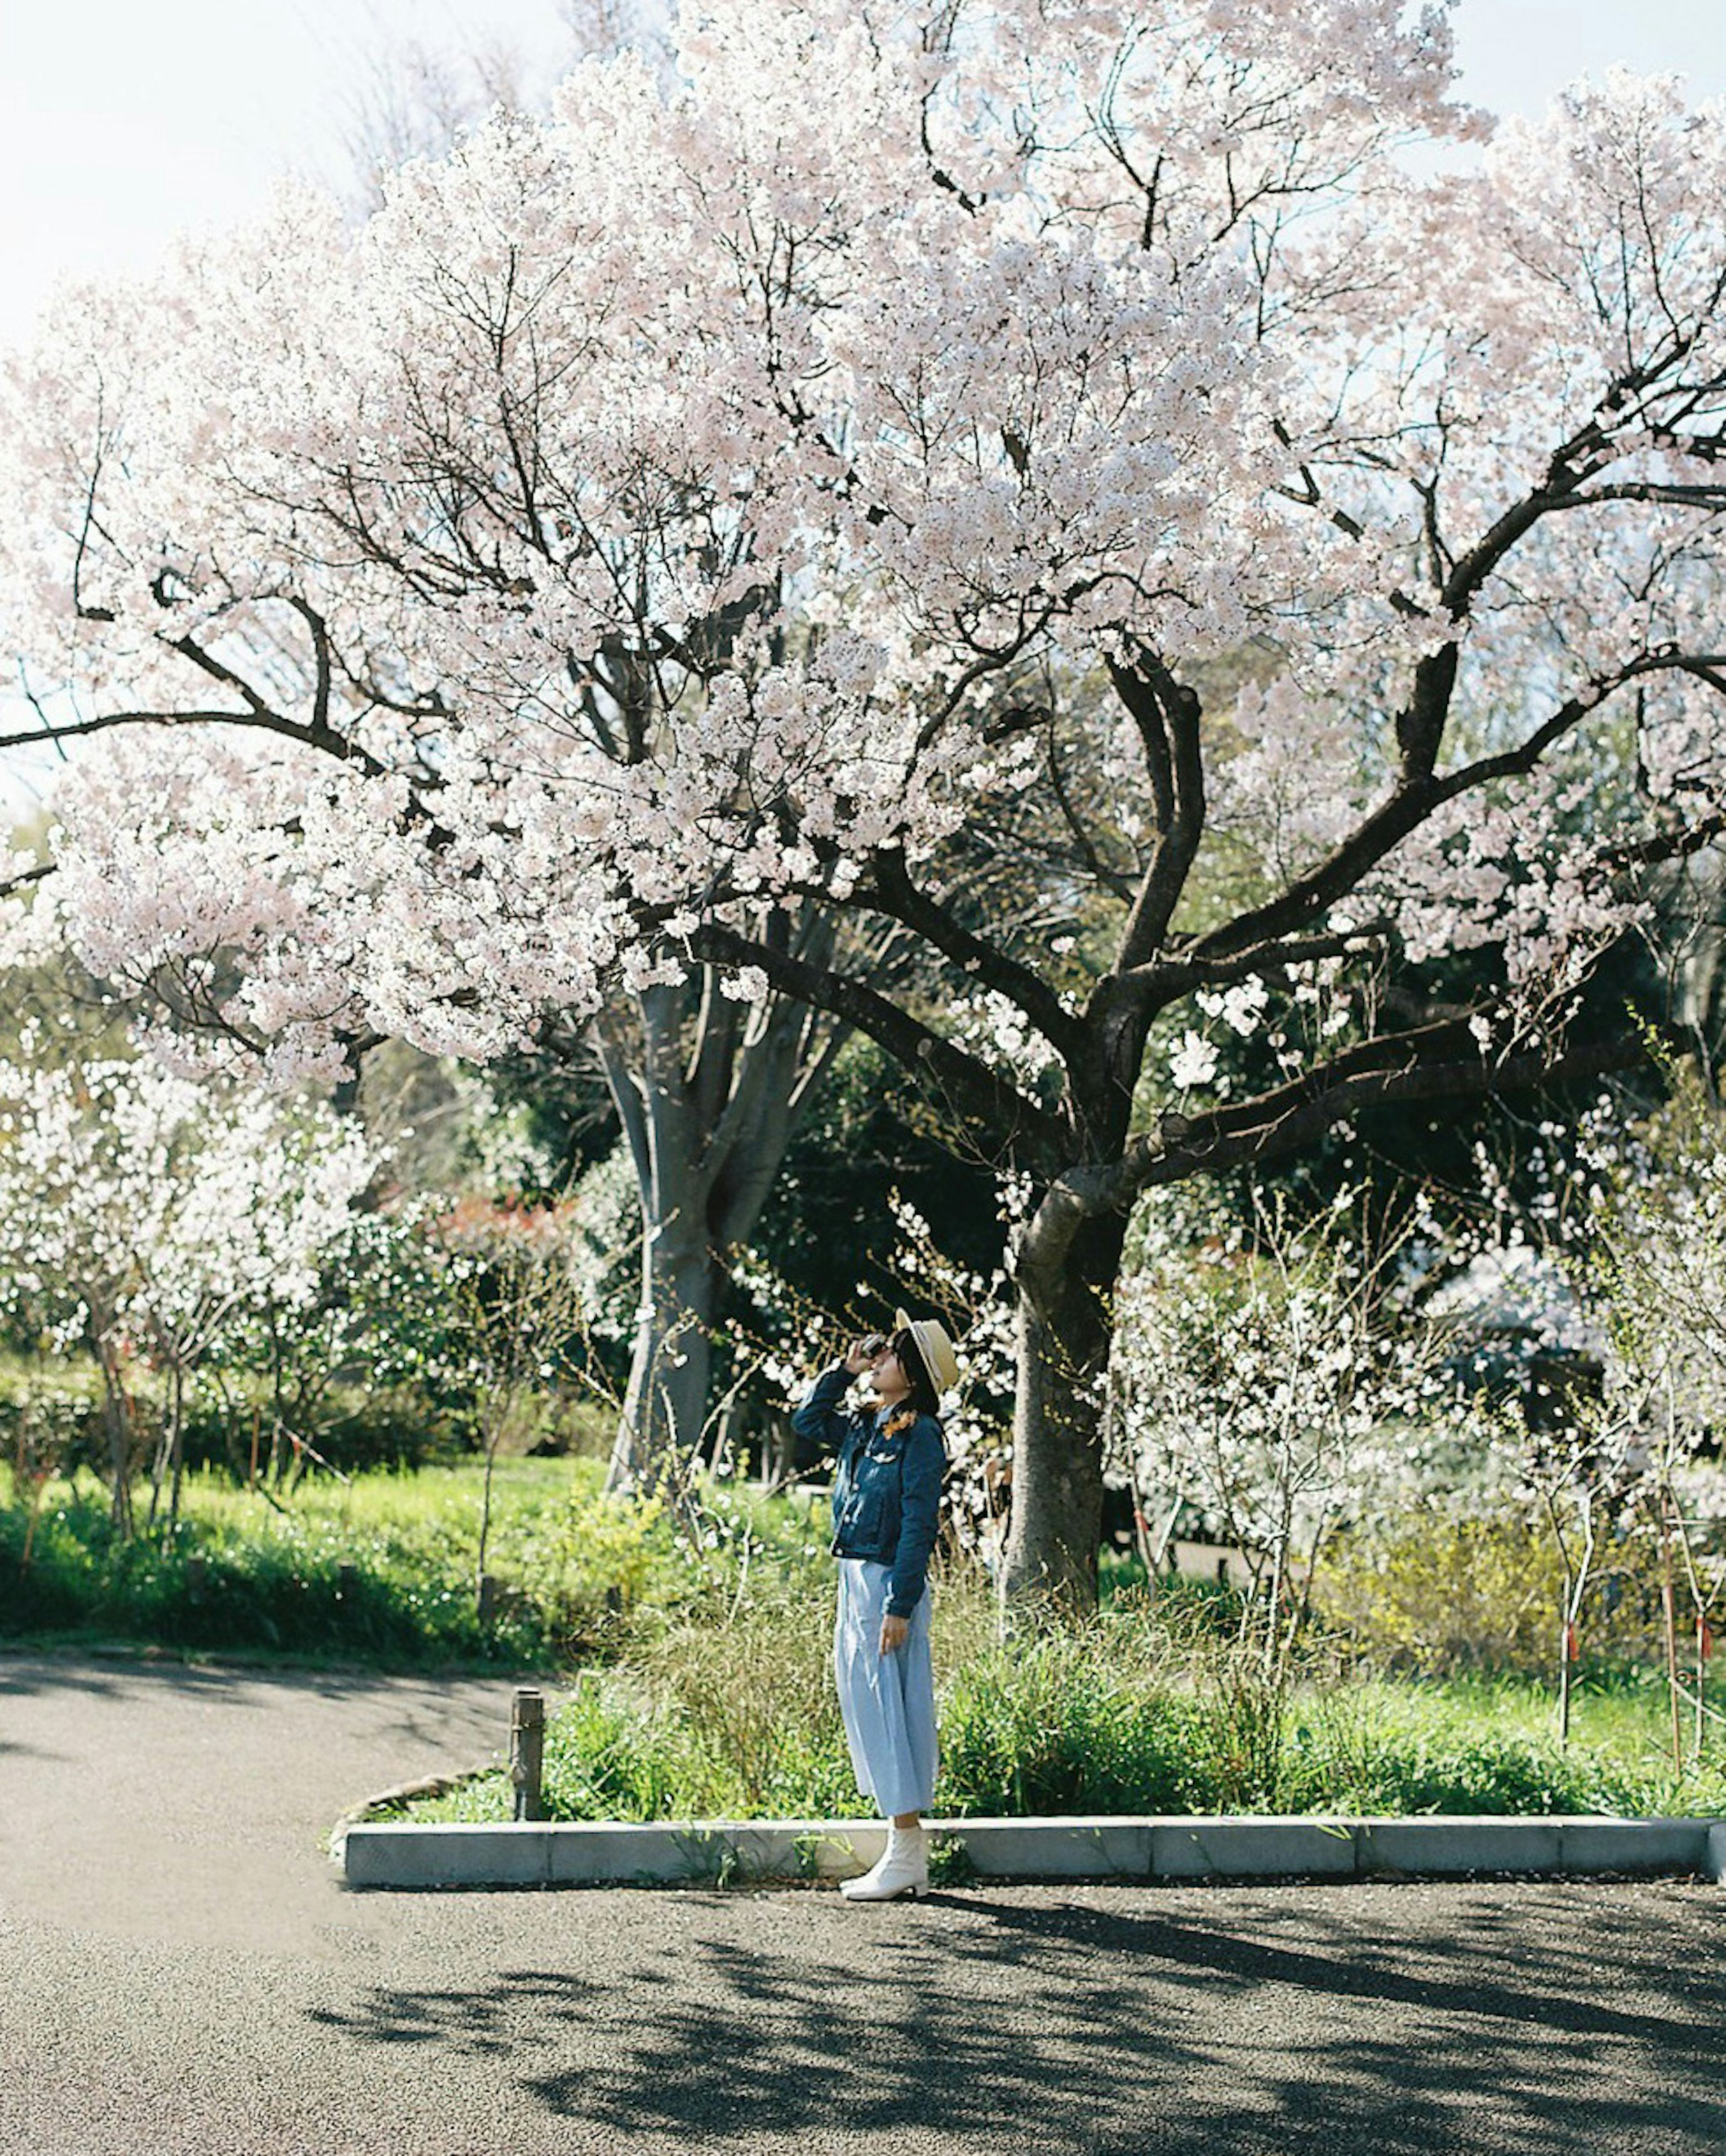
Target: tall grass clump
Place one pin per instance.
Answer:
(1090, 1718)
(728, 1710)
(749, 1682)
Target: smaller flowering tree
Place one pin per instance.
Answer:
(1652, 1261)
(1273, 1379)
(1580, 1306)
(517, 1321)
(1581, 1475)
(138, 1206)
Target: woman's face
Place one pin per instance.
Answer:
(887, 1374)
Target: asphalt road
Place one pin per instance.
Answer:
(182, 1970)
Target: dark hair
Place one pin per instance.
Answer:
(922, 1395)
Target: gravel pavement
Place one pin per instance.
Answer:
(184, 1973)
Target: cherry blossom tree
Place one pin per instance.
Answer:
(708, 1090)
(142, 1210)
(760, 486)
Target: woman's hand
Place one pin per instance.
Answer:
(862, 1353)
(894, 1632)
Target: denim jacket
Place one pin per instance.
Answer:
(887, 1490)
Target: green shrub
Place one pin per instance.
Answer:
(614, 1751)
(594, 1562)
(1463, 1594)
(1473, 1596)
(1085, 1721)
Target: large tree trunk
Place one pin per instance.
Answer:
(709, 1092)
(665, 1405)
(1065, 1279)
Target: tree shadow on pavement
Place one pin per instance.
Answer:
(32, 1672)
(1234, 2022)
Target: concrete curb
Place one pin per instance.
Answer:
(404, 1856)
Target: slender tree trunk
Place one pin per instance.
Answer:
(178, 1409)
(1066, 1276)
(170, 1445)
(494, 1439)
(117, 1414)
(158, 1474)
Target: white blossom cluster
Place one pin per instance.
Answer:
(135, 1202)
(1273, 1385)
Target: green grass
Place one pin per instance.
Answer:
(734, 1716)
(382, 1567)
(704, 1688)
(1489, 1745)
(239, 1573)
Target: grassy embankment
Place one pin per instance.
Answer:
(703, 1688)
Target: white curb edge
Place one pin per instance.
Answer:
(405, 1856)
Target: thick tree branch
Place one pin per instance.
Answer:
(1411, 804)
(975, 1090)
(1164, 980)
(1167, 714)
(889, 890)
(1280, 1122)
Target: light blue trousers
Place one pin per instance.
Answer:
(887, 1701)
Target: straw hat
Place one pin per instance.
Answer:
(933, 1346)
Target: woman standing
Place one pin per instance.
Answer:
(887, 1490)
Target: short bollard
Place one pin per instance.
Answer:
(527, 1753)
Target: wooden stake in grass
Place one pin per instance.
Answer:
(527, 1753)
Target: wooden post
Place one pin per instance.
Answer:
(527, 1753)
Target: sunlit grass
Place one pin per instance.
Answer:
(381, 1568)
(733, 1715)
(702, 1647)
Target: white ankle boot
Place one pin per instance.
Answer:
(904, 1869)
